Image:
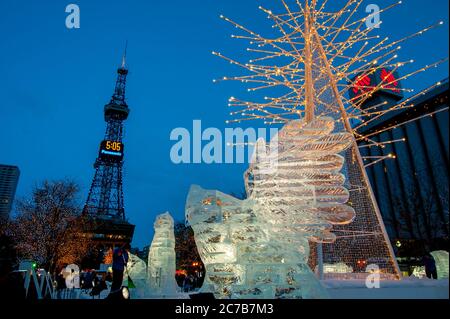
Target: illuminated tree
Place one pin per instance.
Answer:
(108, 259)
(49, 228)
(315, 60)
(185, 247)
(317, 63)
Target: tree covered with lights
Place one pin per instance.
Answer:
(316, 62)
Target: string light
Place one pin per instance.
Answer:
(369, 54)
(306, 71)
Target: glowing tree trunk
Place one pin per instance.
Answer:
(363, 199)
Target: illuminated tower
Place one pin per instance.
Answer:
(105, 200)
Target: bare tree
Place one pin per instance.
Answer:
(49, 227)
(419, 215)
(108, 258)
(185, 246)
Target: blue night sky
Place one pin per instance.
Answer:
(55, 82)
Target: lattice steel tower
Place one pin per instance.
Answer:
(105, 200)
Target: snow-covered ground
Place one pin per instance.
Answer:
(407, 288)
(134, 294)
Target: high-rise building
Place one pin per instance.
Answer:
(9, 177)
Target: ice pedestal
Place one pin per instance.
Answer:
(161, 258)
(259, 247)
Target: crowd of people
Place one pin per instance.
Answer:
(190, 283)
(94, 282)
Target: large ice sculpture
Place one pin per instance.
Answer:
(442, 264)
(161, 258)
(258, 247)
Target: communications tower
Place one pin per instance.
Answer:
(104, 204)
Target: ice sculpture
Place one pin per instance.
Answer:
(137, 271)
(161, 258)
(258, 247)
(337, 268)
(442, 264)
(419, 272)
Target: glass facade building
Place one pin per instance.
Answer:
(9, 177)
(412, 189)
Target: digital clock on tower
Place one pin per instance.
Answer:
(111, 151)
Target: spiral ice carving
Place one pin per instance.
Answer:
(258, 247)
